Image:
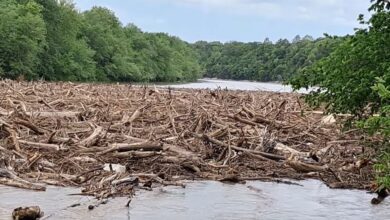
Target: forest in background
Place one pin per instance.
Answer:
(52, 40)
(262, 61)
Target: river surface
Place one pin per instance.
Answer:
(236, 85)
(208, 200)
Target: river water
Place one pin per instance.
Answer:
(236, 85)
(208, 200)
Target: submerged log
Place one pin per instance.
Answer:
(27, 213)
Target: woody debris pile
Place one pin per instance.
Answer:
(113, 139)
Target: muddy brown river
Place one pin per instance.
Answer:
(208, 200)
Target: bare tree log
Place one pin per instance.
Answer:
(288, 150)
(91, 140)
(136, 154)
(29, 125)
(28, 213)
(41, 146)
(146, 146)
(9, 178)
(53, 114)
(304, 167)
(267, 155)
(159, 180)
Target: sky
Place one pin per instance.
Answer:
(237, 20)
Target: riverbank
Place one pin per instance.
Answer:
(114, 139)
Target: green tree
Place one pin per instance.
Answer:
(22, 38)
(113, 54)
(264, 61)
(355, 78)
(344, 79)
(67, 55)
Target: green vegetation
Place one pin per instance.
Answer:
(265, 61)
(355, 79)
(50, 39)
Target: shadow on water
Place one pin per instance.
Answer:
(207, 200)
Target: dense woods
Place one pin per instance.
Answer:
(262, 61)
(51, 40)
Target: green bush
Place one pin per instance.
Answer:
(355, 79)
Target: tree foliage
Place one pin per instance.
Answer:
(264, 61)
(52, 40)
(344, 79)
(22, 34)
(355, 78)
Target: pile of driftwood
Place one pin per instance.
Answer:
(112, 139)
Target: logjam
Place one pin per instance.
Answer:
(71, 134)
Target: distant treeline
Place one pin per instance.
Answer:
(52, 40)
(264, 61)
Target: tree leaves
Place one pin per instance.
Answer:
(52, 40)
(262, 61)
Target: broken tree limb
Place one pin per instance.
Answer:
(159, 180)
(305, 167)
(14, 137)
(53, 114)
(290, 151)
(136, 154)
(41, 146)
(146, 146)
(29, 125)
(9, 178)
(91, 140)
(267, 155)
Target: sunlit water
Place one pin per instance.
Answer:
(208, 200)
(236, 85)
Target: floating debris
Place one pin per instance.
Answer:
(113, 139)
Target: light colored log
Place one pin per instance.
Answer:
(41, 146)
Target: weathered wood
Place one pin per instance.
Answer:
(146, 146)
(29, 125)
(305, 167)
(136, 154)
(266, 155)
(41, 146)
(9, 178)
(27, 213)
(91, 140)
